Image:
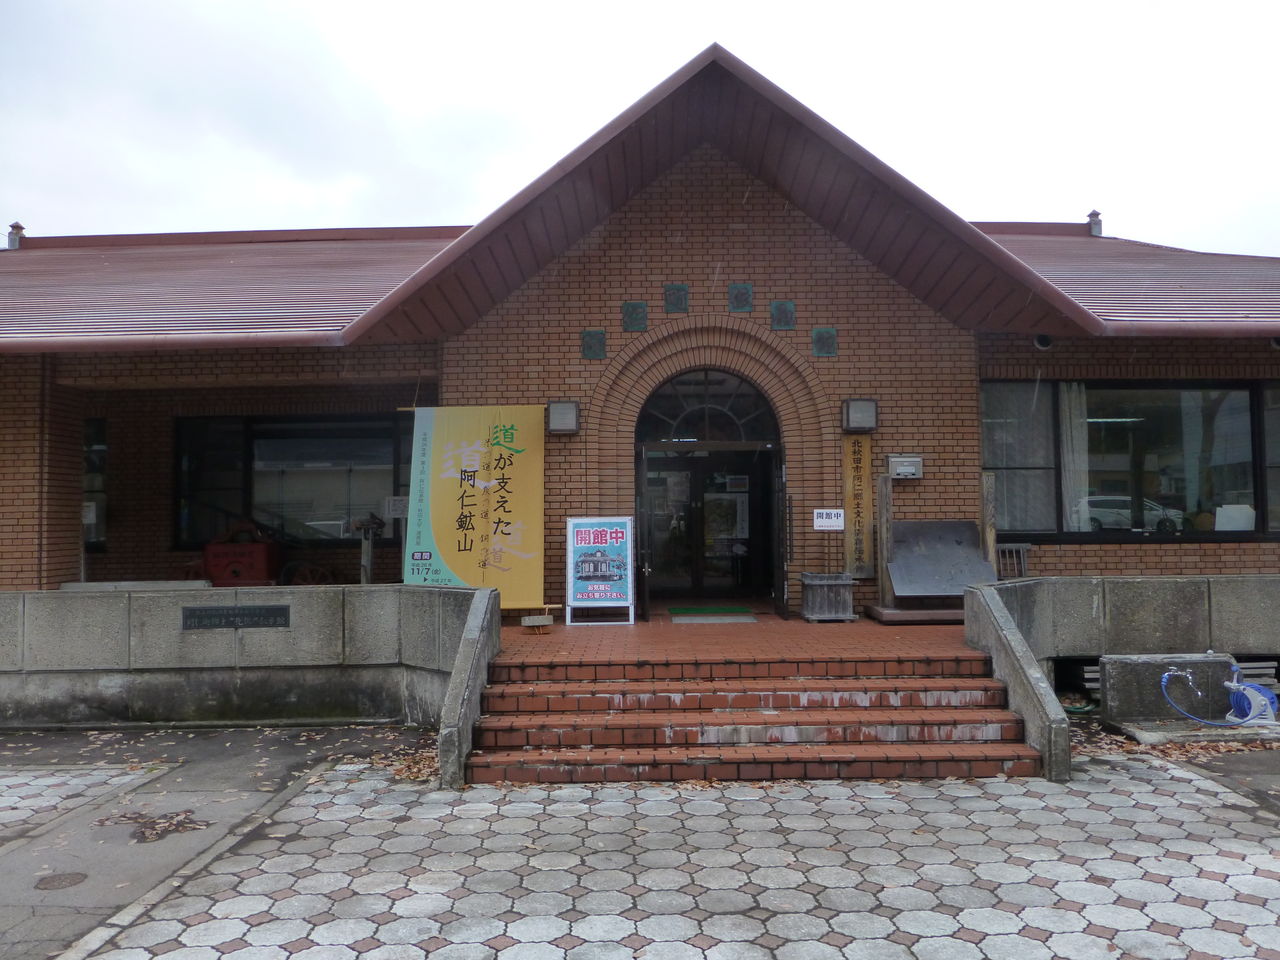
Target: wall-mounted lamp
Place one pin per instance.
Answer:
(858, 416)
(562, 416)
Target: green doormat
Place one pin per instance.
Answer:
(703, 610)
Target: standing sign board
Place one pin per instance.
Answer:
(475, 515)
(599, 570)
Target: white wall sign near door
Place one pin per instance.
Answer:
(828, 519)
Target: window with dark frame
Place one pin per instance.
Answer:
(308, 479)
(1119, 460)
(94, 511)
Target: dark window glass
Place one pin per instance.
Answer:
(308, 480)
(707, 405)
(1271, 420)
(211, 477)
(95, 480)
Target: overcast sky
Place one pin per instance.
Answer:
(129, 116)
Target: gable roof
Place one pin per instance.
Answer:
(716, 99)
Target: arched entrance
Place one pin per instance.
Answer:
(709, 463)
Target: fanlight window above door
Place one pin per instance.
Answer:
(707, 405)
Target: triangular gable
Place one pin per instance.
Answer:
(717, 99)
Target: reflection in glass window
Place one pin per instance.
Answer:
(313, 481)
(1156, 460)
(306, 479)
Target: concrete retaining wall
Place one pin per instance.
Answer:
(348, 653)
(1095, 616)
(1026, 624)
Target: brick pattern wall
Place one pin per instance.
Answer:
(285, 366)
(708, 223)
(40, 476)
(1130, 358)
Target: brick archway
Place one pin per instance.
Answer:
(806, 417)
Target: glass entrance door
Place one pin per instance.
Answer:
(709, 522)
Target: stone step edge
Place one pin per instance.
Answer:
(821, 717)
(773, 669)
(505, 659)
(775, 770)
(759, 752)
(571, 688)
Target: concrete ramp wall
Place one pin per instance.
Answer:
(1095, 616)
(333, 653)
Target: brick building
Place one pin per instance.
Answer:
(709, 279)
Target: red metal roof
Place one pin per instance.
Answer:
(183, 290)
(1145, 289)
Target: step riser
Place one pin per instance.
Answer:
(940, 667)
(733, 734)
(789, 700)
(847, 770)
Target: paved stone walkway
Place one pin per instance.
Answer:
(30, 797)
(1133, 858)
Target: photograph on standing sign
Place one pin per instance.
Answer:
(599, 569)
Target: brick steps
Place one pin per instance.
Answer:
(745, 726)
(968, 664)
(587, 696)
(793, 711)
(811, 761)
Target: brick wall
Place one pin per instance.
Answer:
(40, 476)
(706, 224)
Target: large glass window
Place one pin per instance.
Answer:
(306, 479)
(1125, 459)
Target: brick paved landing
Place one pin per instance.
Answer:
(770, 700)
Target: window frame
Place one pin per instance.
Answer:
(1256, 391)
(398, 424)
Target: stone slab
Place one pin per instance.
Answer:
(314, 634)
(88, 631)
(157, 640)
(371, 627)
(11, 631)
(1156, 615)
(1131, 687)
(1244, 614)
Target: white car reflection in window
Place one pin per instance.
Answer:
(1116, 513)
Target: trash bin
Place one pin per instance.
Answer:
(827, 596)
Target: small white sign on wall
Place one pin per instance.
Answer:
(828, 519)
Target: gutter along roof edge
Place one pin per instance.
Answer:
(163, 342)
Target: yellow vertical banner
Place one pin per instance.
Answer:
(476, 501)
(859, 511)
